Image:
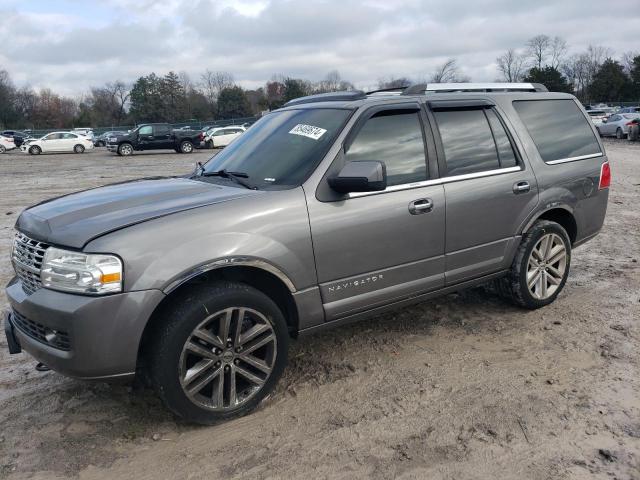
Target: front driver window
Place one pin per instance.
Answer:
(146, 130)
(395, 138)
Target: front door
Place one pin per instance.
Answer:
(376, 247)
(490, 191)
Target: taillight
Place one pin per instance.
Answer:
(629, 124)
(605, 176)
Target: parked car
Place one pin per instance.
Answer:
(333, 209)
(616, 125)
(597, 116)
(18, 136)
(155, 136)
(6, 144)
(101, 140)
(58, 142)
(223, 136)
(633, 133)
(629, 110)
(87, 132)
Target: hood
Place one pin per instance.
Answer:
(74, 220)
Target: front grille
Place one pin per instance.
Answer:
(54, 338)
(27, 261)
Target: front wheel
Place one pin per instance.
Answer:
(78, 149)
(35, 150)
(2, 149)
(186, 147)
(540, 268)
(220, 350)
(125, 150)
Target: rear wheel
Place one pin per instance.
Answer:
(220, 349)
(540, 268)
(619, 134)
(634, 133)
(125, 149)
(35, 150)
(78, 149)
(186, 147)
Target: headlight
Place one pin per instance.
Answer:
(92, 274)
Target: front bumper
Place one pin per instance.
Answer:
(101, 334)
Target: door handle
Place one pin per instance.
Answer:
(521, 187)
(421, 205)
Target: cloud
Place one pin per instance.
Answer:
(70, 46)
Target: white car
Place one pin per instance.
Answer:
(6, 143)
(223, 136)
(597, 116)
(58, 142)
(87, 132)
(617, 124)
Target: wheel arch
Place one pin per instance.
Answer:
(260, 275)
(562, 215)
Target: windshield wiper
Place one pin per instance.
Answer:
(235, 176)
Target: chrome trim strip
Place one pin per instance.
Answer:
(231, 262)
(438, 181)
(574, 159)
(437, 87)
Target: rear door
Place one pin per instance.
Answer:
(489, 189)
(377, 247)
(162, 137)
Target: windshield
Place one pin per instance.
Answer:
(281, 149)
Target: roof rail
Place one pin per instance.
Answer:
(389, 91)
(474, 87)
(345, 96)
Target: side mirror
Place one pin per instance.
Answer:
(370, 176)
(604, 120)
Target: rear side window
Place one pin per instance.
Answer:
(558, 128)
(474, 141)
(395, 138)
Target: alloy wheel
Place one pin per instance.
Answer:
(547, 266)
(227, 358)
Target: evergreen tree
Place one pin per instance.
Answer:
(549, 77)
(233, 103)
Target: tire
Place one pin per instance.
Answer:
(554, 275)
(634, 133)
(78, 149)
(204, 308)
(186, 147)
(209, 144)
(619, 134)
(2, 149)
(35, 150)
(125, 149)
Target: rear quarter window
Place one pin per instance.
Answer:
(558, 128)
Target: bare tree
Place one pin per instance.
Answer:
(213, 83)
(538, 49)
(393, 82)
(557, 51)
(333, 82)
(448, 72)
(511, 65)
(121, 95)
(627, 61)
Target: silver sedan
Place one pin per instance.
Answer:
(617, 124)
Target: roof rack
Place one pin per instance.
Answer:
(389, 91)
(474, 87)
(345, 96)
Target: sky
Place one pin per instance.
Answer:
(73, 45)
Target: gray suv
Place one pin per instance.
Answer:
(334, 208)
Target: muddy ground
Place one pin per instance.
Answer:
(463, 387)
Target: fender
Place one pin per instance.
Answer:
(538, 213)
(229, 262)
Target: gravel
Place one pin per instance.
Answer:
(462, 387)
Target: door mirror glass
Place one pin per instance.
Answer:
(361, 176)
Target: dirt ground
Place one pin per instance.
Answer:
(463, 387)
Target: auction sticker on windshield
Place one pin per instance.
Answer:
(308, 131)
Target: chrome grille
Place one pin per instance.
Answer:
(55, 338)
(27, 261)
